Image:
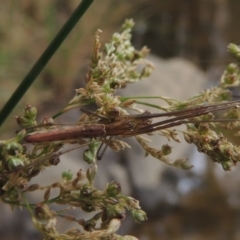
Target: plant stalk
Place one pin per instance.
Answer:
(44, 59)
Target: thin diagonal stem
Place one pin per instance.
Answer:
(44, 59)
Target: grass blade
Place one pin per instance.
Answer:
(44, 59)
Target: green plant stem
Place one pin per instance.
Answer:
(150, 105)
(12, 203)
(44, 59)
(145, 103)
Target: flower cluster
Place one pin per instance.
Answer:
(216, 146)
(120, 63)
(109, 207)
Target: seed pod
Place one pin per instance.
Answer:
(91, 172)
(88, 208)
(32, 188)
(138, 215)
(231, 68)
(227, 165)
(234, 50)
(113, 189)
(47, 194)
(25, 122)
(187, 138)
(128, 102)
(55, 160)
(30, 112)
(166, 149)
